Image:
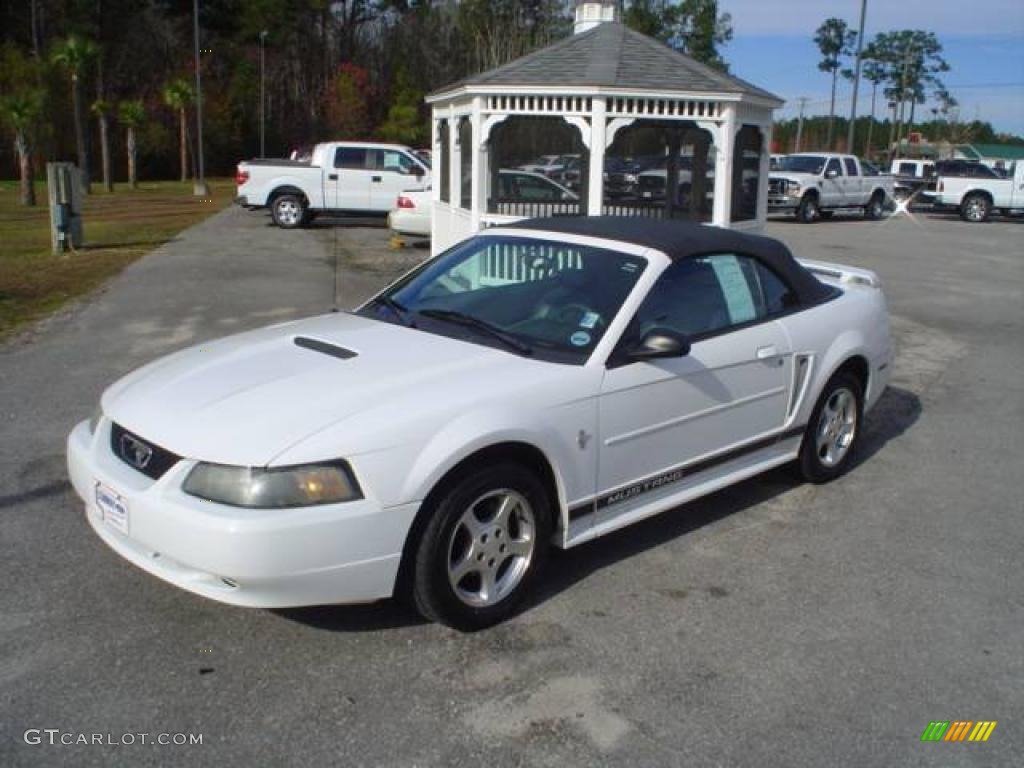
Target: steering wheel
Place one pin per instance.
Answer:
(572, 314)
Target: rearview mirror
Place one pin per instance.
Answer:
(658, 343)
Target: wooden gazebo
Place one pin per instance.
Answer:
(612, 89)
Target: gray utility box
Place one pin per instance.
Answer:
(65, 196)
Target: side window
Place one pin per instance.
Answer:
(907, 169)
(532, 188)
(833, 165)
(851, 166)
(350, 157)
(397, 162)
(706, 294)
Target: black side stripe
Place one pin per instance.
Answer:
(677, 475)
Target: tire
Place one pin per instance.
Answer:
(472, 564)
(808, 212)
(834, 430)
(975, 208)
(826, 215)
(288, 211)
(875, 208)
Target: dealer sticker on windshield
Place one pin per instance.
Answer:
(580, 339)
(113, 508)
(589, 320)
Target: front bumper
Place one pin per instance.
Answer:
(334, 553)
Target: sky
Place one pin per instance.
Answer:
(773, 47)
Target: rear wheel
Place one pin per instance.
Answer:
(808, 212)
(975, 208)
(288, 211)
(485, 543)
(875, 208)
(834, 429)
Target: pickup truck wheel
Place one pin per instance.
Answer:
(834, 429)
(288, 211)
(875, 208)
(975, 208)
(809, 211)
(484, 545)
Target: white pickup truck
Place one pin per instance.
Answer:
(814, 186)
(975, 198)
(342, 176)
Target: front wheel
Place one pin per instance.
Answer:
(484, 545)
(834, 429)
(809, 210)
(975, 208)
(288, 211)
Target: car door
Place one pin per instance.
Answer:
(833, 191)
(347, 186)
(731, 390)
(853, 183)
(394, 173)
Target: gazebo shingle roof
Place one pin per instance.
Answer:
(612, 55)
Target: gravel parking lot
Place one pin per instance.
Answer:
(772, 624)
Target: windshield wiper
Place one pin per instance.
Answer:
(469, 321)
(398, 310)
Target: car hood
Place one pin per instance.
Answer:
(247, 398)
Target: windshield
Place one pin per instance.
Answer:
(546, 299)
(814, 164)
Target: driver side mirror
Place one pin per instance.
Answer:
(658, 343)
(831, 174)
(417, 171)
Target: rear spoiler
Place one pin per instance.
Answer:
(841, 274)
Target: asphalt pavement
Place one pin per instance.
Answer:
(771, 624)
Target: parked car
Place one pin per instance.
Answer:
(411, 214)
(549, 165)
(342, 176)
(620, 177)
(912, 177)
(543, 383)
(976, 197)
(813, 186)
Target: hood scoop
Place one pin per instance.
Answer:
(324, 348)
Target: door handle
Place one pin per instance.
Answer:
(765, 353)
(375, 179)
(332, 176)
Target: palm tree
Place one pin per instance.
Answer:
(131, 114)
(21, 111)
(101, 108)
(74, 54)
(834, 39)
(178, 94)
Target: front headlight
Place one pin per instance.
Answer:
(261, 488)
(792, 188)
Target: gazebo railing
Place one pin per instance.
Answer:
(535, 208)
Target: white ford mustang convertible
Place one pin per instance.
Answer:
(540, 384)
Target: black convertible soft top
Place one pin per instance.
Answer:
(681, 239)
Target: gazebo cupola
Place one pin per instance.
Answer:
(606, 121)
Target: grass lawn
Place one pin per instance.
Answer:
(118, 227)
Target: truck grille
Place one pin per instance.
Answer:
(141, 455)
(776, 187)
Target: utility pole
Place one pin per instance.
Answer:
(800, 123)
(263, 87)
(199, 187)
(856, 78)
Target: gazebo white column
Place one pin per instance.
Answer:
(763, 170)
(725, 143)
(595, 186)
(478, 171)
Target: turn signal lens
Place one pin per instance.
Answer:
(405, 202)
